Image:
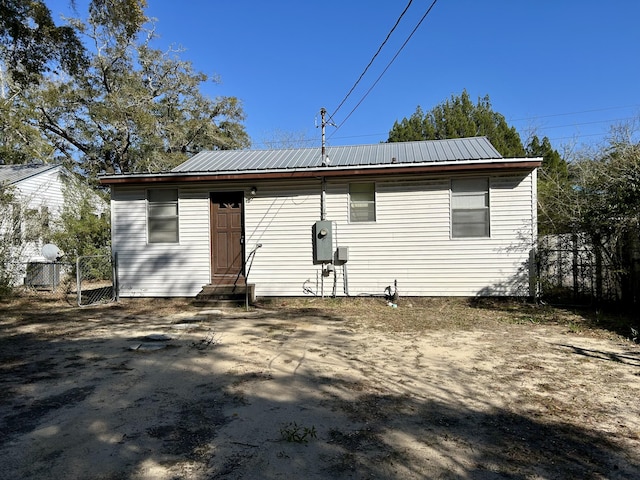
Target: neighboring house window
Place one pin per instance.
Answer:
(470, 207)
(362, 202)
(162, 215)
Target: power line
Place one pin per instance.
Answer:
(573, 113)
(387, 67)
(575, 137)
(613, 120)
(311, 140)
(372, 59)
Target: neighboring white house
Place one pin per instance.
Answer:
(39, 199)
(435, 218)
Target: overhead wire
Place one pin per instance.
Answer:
(535, 117)
(594, 122)
(311, 140)
(398, 53)
(386, 68)
(372, 59)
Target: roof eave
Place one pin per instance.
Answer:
(32, 174)
(391, 169)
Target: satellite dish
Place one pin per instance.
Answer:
(51, 252)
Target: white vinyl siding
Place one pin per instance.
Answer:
(160, 269)
(43, 189)
(41, 192)
(280, 218)
(410, 242)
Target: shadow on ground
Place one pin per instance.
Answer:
(77, 402)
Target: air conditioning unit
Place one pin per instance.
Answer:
(42, 274)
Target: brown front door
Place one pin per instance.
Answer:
(227, 238)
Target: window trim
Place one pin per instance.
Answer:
(368, 202)
(487, 208)
(166, 218)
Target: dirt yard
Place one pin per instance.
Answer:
(310, 389)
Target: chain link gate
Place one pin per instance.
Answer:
(95, 276)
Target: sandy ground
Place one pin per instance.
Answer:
(306, 393)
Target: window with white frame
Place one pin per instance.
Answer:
(470, 207)
(162, 215)
(362, 202)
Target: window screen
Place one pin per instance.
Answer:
(470, 207)
(362, 202)
(162, 215)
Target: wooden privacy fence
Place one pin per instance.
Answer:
(571, 269)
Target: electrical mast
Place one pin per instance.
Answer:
(323, 123)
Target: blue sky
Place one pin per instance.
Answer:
(567, 69)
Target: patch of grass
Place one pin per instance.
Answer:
(414, 314)
(574, 327)
(430, 314)
(294, 433)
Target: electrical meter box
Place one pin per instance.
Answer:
(322, 242)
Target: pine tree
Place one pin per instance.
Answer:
(459, 117)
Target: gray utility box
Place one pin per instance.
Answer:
(342, 255)
(322, 242)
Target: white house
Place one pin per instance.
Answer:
(38, 201)
(434, 218)
(38, 191)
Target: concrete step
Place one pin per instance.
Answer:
(220, 295)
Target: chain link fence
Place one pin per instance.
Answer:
(41, 276)
(90, 278)
(45, 275)
(95, 279)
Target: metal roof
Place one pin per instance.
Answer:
(10, 174)
(380, 154)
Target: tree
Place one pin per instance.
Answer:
(608, 194)
(21, 228)
(458, 117)
(83, 227)
(8, 269)
(598, 201)
(21, 141)
(552, 162)
(553, 185)
(135, 108)
(31, 44)
(278, 138)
